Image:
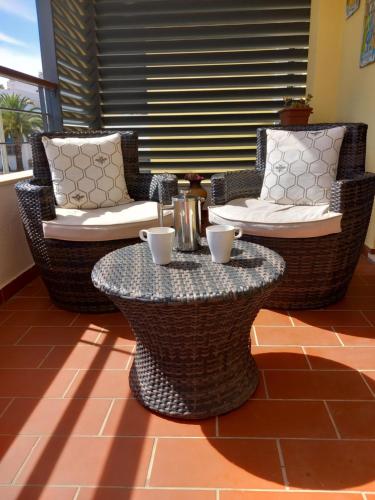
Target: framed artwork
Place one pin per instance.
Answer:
(368, 40)
(351, 7)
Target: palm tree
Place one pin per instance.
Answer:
(18, 124)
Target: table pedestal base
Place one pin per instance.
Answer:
(192, 360)
(192, 403)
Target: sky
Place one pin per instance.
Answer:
(19, 37)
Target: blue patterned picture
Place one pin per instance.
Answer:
(368, 41)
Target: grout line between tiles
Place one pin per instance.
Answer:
(22, 336)
(366, 383)
(26, 460)
(99, 336)
(130, 488)
(73, 320)
(4, 320)
(100, 433)
(366, 318)
(297, 490)
(197, 438)
(106, 398)
(338, 337)
(306, 357)
(332, 420)
(70, 384)
(97, 339)
(43, 485)
(45, 357)
(291, 319)
(255, 335)
(62, 369)
(120, 398)
(194, 488)
(325, 346)
(76, 495)
(6, 407)
(84, 343)
(217, 494)
(265, 385)
(321, 326)
(151, 463)
(282, 464)
(341, 370)
(130, 358)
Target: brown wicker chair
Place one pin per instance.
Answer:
(319, 269)
(65, 266)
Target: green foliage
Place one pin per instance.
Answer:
(290, 102)
(19, 124)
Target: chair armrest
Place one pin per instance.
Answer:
(353, 194)
(160, 187)
(167, 187)
(239, 184)
(36, 201)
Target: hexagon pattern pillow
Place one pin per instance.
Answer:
(301, 166)
(87, 173)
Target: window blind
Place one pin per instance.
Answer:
(75, 52)
(195, 78)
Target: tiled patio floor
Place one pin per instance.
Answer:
(68, 423)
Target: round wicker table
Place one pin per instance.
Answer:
(191, 320)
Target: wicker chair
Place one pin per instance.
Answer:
(319, 269)
(65, 266)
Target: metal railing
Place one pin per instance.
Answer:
(28, 104)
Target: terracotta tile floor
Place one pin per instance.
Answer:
(69, 428)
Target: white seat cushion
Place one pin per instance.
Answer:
(104, 224)
(262, 218)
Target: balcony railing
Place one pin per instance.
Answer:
(27, 105)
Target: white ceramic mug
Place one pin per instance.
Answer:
(160, 240)
(220, 240)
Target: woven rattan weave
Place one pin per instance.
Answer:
(66, 266)
(191, 320)
(318, 269)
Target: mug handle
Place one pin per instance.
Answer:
(143, 234)
(239, 235)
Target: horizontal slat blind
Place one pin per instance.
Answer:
(196, 78)
(75, 42)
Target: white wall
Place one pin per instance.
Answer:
(356, 100)
(12, 163)
(342, 90)
(15, 257)
(325, 47)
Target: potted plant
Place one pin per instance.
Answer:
(296, 111)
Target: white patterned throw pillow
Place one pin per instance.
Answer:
(87, 173)
(301, 165)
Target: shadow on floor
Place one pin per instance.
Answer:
(332, 458)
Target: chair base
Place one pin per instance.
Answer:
(66, 273)
(315, 276)
(75, 301)
(290, 299)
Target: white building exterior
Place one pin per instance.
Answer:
(6, 156)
